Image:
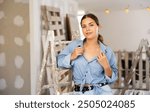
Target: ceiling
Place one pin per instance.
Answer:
(101, 5)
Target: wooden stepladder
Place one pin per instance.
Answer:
(137, 60)
(51, 79)
(58, 80)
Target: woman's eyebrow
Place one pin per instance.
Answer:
(91, 22)
(88, 23)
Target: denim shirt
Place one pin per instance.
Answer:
(84, 71)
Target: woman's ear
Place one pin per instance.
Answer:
(99, 26)
(97, 30)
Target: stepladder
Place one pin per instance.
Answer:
(53, 80)
(137, 60)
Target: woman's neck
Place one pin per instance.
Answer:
(91, 42)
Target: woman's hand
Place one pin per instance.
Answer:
(77, 51)
(102, 59)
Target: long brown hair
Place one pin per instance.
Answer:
(92, 16)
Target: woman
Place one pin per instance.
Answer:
(93, 63)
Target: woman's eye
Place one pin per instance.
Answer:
(83, 26)
(91, 25)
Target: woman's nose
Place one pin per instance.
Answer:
(87, 28)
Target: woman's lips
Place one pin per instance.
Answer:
(88, 33)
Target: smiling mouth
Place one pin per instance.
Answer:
(89, 33)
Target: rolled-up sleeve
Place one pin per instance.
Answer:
(63, 58)
(113, 65)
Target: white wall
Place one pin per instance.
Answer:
(35, 46)
(124, 31)
(66, 6)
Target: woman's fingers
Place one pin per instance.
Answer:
(79, 51)
(101, 55)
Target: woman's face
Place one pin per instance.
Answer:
(89, 28)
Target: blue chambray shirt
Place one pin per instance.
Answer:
(84, 71)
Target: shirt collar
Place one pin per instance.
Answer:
(80, 43)
(103, 47)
